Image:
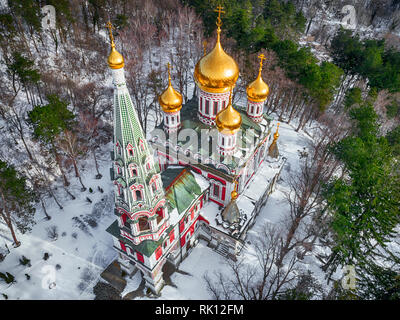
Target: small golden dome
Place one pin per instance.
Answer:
(258, 90)
(228, 120)
(115, 59)
(216, 72)
(170, 100)
(234, 195)
(276, 134)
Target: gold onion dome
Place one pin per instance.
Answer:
(170, 100)
(115, 59)
(228, 120)
(258, 90)
(276, 134)
(234, 193)
(216, 72)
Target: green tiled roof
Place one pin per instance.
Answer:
(184, 189)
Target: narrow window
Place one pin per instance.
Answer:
(207, 111)
(216, 190)
(138, 194)
(215, 108)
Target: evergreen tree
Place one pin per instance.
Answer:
(48, 122)
(23, 73)
(393, 138)
(16, 201)
(352, 97)
(365, 203)
(376, 282)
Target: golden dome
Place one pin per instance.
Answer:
(258, 90)
(228, 120)
(115, 59)
(276, 134)
(170, 100)
(234, 193)
(217, 71)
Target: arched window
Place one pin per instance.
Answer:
(118, 148)
(154, 187)
(118, 168)
(138, 194)
(144, 224)
(134, 171)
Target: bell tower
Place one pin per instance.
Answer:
(139, 195)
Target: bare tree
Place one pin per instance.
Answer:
(305, 199)
(261, 279)
(74, 149)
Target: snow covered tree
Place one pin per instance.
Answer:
(16, 201)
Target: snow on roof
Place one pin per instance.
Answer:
(261, 180)
(210, 211)
(201, 181)
(174, 217)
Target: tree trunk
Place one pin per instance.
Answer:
(78, 175)
(301, 119)
(66, 182)
(44, 209)
(99, 175)
(7, 219)
(55, 198)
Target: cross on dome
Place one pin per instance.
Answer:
(219, 10)
(261, 57)
(110, 28)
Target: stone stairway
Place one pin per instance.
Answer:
(222, 249)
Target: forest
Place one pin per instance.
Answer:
(56, 115)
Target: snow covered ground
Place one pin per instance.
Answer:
(82, 249)
(78, 252)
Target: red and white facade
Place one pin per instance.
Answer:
(172, 121)
(210, 104)
(226, 144)
(255, 110)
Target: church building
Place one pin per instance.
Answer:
(205, 175)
